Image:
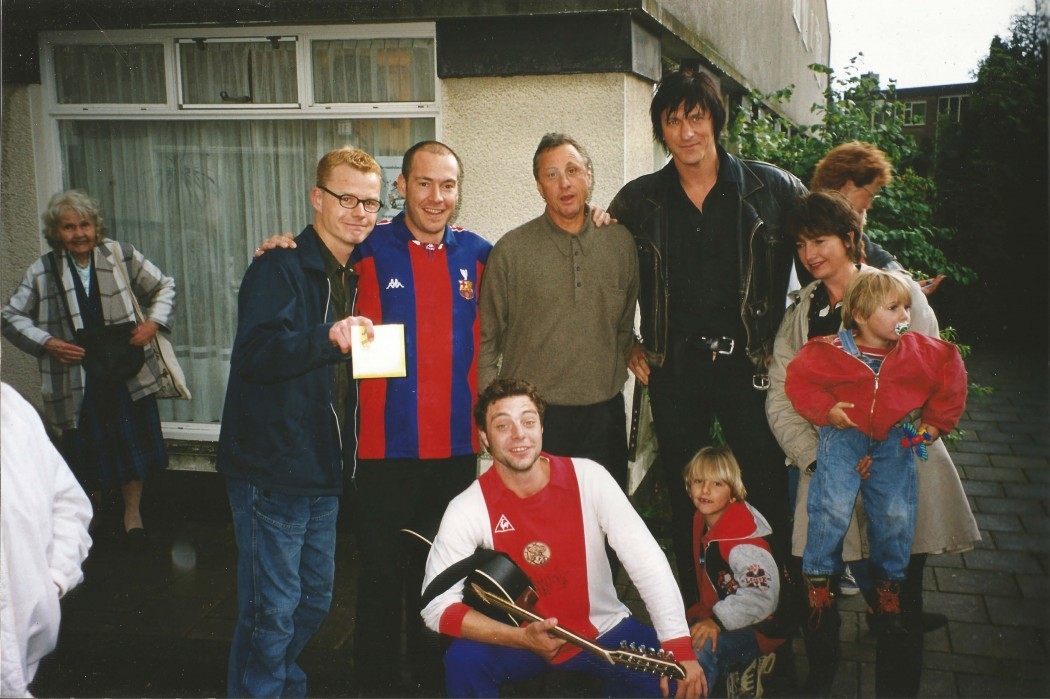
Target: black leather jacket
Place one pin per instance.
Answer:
(764, 192)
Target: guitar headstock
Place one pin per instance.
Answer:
(650, 660)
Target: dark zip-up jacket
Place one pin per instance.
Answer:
(764, 191)
(279, 425)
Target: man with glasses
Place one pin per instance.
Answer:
(285, 439)
(417, 447)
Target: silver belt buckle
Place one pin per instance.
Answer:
(760, 382)
(732, 346)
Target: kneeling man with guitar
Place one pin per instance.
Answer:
(552, 516)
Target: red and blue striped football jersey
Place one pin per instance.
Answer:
(433, 291)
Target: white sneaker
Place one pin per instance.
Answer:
(847, 584)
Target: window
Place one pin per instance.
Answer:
(200, 143)
(953, 107)
(915, 113)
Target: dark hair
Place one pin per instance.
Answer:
(553, 140)
(436, 147)
(857, 162)
(821, 213)
(687, 88)
(506, 388)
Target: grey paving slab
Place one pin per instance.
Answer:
(1017, 612)
(999, 523)
(956, 606)
(1036, 524)
(996, 641)
(1001, 505)
(992, 582)
(984, 686)
(983, 488)
(1036, 587)
(999, 475)
(961, 458)
(975, 447)
(936, 683)
(1022, 542)
(1014, 561)
(1020, 462)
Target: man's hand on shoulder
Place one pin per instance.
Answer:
(281, 240)
(601, 217)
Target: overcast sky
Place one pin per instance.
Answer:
(918, 42)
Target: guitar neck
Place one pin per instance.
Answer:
(526, 615)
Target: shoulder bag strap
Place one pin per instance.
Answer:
(52, 258)
(119, 264)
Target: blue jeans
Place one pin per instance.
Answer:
(475, 669)
(891, 502)
(285, 572)
(736, 649)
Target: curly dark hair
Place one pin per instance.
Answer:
(506, 388)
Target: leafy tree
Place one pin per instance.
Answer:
(992, 168)
(857, 109)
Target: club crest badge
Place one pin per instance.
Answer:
(537, 553)
(466, 287)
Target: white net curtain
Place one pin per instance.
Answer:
(198, 194)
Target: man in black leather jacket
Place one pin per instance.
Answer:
(714, 273)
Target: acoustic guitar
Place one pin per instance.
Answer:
(648, 660)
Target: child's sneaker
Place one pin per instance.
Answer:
(848, 584)
(888, 612)
(819, 591)
(748, 683)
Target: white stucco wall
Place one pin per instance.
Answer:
(20, 241)
(494, 124)
(760, 42)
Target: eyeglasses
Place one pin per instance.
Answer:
(349, 201)
(871, 194)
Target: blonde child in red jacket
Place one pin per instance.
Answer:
(736, 575)
(859, 387)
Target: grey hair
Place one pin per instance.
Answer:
(78, 201)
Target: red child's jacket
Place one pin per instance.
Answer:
(736, 574)
(919, 372)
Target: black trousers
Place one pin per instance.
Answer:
(597, 432)
(687, 394)
(392, 494)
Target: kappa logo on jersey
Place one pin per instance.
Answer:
(504, 525)
(394, 283)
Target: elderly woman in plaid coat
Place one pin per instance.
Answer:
(110, 429)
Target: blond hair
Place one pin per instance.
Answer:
(716, 464)
(870, 288)
(349, 156)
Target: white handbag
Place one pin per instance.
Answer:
(172, 378)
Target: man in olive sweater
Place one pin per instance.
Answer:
(557, 310)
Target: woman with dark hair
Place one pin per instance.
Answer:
(824, 228)
(108, 416)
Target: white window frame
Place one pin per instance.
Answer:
(909, 112)
(48, 158)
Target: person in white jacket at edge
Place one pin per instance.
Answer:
(44, 516)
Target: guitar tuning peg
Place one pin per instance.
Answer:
(670, 655)
(633, 646)
(623, 644)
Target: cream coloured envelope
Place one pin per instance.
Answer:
(383, 357)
